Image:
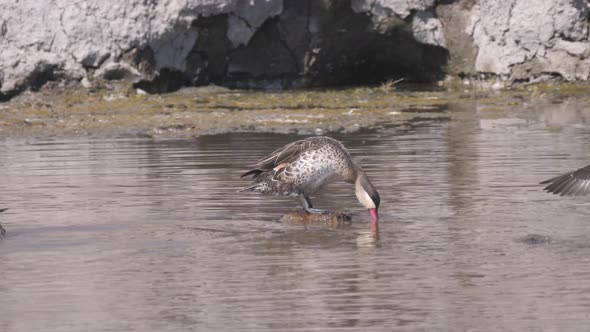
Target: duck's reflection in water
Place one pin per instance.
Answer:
(368, 239)
(325, 224)
(334, 220)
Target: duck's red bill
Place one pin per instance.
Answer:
(374, 215)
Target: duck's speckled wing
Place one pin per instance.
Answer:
(289, 152)
(285, 155)
(302, 167)
(576, 183)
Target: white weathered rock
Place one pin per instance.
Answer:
(401, 8)
(248, 16)
(77, 34)
(427, 29)
(117, 71)
(574, 48)
(552, 34)
(76, 39)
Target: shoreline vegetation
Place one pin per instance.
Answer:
(189, 112)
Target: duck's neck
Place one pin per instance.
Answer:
(363, 189)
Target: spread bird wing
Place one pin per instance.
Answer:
(284, 156)
(570, 184)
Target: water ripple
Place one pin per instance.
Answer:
(150, 235)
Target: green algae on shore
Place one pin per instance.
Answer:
(197, 111)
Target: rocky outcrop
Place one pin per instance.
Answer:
(161, 45)
(524, 39)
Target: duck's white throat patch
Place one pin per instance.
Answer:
(364, 198)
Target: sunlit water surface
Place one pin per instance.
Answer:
(150, 235)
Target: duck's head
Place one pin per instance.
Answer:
(367, 195)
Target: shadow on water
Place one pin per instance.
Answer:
(151, 235)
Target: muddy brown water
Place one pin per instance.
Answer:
(108, 234)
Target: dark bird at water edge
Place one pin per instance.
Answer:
(576, 183)
(2, 230)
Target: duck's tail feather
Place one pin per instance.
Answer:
(256, 173)
(254, 187)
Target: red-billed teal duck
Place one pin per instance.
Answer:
(571, 184)
(301, 168)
